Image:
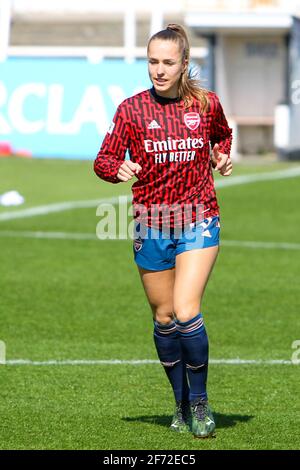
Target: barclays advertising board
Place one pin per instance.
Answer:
(52, 107)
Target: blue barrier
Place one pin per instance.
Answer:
(51, 107)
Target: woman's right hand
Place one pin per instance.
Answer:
(128, 170)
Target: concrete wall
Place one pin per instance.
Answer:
(251, 80)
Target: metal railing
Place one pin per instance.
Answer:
(69, 10)
(129, 10)
(92, 54)
(5, 21)
(283, 6)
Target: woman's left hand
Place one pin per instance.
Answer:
(221, 162)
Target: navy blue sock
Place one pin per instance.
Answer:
(194, 344)
(167, 342)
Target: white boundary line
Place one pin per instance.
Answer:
(134, 362)
(90, 236)
(49, 235)
(57, 207)
(257, 177)
(263, 245)
(64, 206)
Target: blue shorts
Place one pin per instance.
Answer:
(155, 250)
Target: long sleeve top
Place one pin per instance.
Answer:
(172, 144)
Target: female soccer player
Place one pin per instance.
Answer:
(169, 131)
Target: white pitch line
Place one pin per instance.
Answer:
(64, 206)
(256, 177)
(90, 236)
(263, 245)
(134, 362)
(58, 207)
(48, 235)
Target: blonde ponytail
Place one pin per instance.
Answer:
(189, 88)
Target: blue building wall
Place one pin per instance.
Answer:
(63, 107)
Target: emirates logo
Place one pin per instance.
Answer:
(192, 120)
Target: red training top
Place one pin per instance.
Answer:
(172, 145)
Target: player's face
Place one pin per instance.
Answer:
(165, 67)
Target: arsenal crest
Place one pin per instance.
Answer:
(138, 243)
(192, 120)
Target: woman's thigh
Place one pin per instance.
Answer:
(159, 288)
(192, 272)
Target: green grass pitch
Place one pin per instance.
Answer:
(64, 299)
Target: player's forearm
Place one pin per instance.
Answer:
(107, 167)
(224, 144)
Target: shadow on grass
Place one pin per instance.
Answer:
(222, 420)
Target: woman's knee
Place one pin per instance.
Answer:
(185, 313)
(163, 315)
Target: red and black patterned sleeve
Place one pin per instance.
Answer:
(221, 133)
(112, 152)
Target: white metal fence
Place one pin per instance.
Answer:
(129, 10)
(69, 10)
(5, 20)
